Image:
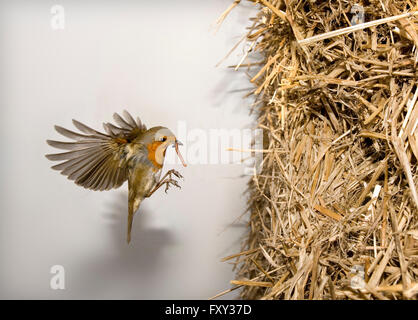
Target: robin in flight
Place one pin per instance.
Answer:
(129, 151)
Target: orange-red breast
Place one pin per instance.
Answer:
(100, 161)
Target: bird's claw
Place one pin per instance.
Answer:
(169, 182)
(176, 173)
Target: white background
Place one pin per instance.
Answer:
(156, 59)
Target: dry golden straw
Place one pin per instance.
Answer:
(333, 212)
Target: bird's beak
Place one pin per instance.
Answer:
(176, 145)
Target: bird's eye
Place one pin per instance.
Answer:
(162, 139)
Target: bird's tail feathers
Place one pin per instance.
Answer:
(133, 207)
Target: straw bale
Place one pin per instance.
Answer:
(337, 193)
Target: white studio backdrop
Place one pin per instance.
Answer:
(157, 60)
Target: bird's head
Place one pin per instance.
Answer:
(157, 140)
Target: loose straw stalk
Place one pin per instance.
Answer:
(357, 27)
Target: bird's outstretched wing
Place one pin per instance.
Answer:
(96, 160)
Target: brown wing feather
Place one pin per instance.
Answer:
(96, 160)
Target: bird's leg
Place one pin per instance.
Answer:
(167, 180)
